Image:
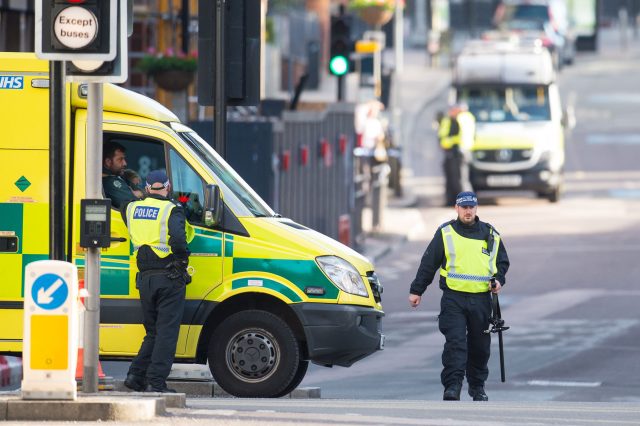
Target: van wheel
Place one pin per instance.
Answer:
(254, 354)
(302, 370)
(553, 196)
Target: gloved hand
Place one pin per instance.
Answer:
(178, 269)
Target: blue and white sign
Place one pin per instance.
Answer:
(50, 330)
(11, 82)
(49, 291)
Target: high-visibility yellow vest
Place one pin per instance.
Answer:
(466, 133)
(469, 265)
(148, 223)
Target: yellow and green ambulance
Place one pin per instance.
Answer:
(268, 294)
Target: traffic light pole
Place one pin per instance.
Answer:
(340, 88)
(92, 258)
(56, 160)
(220, 100)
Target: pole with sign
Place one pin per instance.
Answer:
(50, 335)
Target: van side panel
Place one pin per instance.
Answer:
(24, 188)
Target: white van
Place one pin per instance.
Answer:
(511, 91)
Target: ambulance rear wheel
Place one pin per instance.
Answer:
(254, 354)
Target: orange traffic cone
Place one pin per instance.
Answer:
(104, 382)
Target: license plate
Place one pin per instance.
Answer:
(504, 180)
(381, 342)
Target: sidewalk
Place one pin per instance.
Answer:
(417, 86)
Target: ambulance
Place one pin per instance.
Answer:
(511, 90)
(268, 295)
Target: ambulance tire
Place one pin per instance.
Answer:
(302, 371)
(254, 354)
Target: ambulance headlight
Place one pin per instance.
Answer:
(342, 274)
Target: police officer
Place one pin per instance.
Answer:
(114, 163)
(469, 253)
(159, 234)
(456, 133)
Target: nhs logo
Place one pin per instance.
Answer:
(149, 213)
(11, 82)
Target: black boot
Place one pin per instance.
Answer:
(452, 392)
(160, 389)
(478, 393)
(135, 383)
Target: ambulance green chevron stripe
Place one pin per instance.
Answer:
(273, 285)
(302, 273)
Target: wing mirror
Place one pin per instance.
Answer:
(213, 206)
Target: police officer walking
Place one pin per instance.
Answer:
(159, 234)
(456, 132)
(468, 253)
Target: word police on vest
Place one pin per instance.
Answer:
(149, 213)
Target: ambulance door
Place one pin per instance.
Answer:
(121, 330)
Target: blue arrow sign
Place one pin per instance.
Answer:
(49, 291)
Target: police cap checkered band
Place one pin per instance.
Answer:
(157, 179)
(466, 198)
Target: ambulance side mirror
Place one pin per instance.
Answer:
(213, 206)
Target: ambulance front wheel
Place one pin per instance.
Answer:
(255, 354)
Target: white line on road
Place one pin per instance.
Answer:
(564, 384)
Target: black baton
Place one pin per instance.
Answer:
(497, 326)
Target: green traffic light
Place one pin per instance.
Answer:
(339, 65)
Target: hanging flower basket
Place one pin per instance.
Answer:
(171, 71)
(173, 80)
(375, 15)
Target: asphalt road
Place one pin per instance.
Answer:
(571, 296)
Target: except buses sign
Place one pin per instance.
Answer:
(75, 27)
(71, 30)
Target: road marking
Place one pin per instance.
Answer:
(613, 138)
(564, 384)
(625, 193)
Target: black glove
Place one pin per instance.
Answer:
(178, 270)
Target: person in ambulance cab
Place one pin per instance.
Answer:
(159, 233)
(114, 164)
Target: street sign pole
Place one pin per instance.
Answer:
(57, 169)
(220, 101)
(92, 259)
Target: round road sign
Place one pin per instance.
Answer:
(75, 27)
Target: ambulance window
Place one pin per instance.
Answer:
(140, 155)
(188, 187)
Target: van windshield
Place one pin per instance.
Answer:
(507, 104)
(239, 192)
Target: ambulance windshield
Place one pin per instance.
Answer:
(231, 184)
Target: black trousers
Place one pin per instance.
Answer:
(162, 301)
(463, 318)
(456, 173)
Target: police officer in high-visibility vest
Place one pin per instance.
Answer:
(456, 132)
(159, 234)
(468, 253)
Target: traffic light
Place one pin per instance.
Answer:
(341, 44)
(242, 52)
(76, 29)
(115, 71)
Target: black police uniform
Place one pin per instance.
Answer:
(116, 188)
(162, 296)
(463, 316)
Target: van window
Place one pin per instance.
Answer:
(188, 187)
(515, 103)
(141, 156)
